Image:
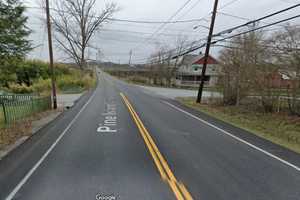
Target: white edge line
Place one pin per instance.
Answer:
(34, 168)
(235, 137)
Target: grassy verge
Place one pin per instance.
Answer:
(279, 128)
(1, 117)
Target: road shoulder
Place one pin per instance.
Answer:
(268, 146)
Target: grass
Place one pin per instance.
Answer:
(10, 134)
(280, 128)
(1, 117)
(76, 82)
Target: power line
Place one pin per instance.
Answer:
(139, 32)
(154, 22)
(227, 4)
(248, 23)
(189, 10)
(220, 8)
(233, 16)
(196, 47)
(242, 33)
(170, 18)
(126, 20)
(257, 20)
(232, 36)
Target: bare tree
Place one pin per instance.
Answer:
(75, 22)
(181, 44)
(244, 64)
(288, 43)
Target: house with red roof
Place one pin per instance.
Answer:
(190, 68)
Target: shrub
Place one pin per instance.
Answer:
(30, 70)
(75, 82)
(89, 81)
(138, 79)
(42, 86)
(21, 89)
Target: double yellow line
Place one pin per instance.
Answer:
(167, 175)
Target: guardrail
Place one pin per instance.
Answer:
(18, 107)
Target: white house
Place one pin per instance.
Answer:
(190, 68)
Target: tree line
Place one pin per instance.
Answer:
(264, 66)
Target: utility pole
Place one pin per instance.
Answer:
(130, 55)
(211, 30)
(51, 55)
(98, 55)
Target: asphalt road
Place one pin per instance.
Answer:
(121, 142)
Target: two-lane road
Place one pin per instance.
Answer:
(124, 143)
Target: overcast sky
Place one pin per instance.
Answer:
(118, 38)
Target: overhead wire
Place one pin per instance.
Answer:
(241, 33)
(163, 25)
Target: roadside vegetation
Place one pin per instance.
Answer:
(280, 128)
(19, 129)
(1, 118)
(255, 96)
(18, 75)
(33, 76)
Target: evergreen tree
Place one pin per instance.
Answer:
(14, 43)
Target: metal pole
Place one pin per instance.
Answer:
(130, 55)
(51, 55)
(211, 29)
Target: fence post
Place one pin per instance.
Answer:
(32, 105)
(4, 113)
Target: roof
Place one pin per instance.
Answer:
(287, 74)
(191, 59)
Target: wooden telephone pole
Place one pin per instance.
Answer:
(130, 55)
(211, 29)
(51, 55)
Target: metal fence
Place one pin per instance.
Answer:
(16, 97)
(16, 107)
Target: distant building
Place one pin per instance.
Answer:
(282, 79)
(190, 69)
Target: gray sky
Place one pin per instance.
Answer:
(118, 38)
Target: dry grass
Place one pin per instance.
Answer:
(9, 135)
(279, 128)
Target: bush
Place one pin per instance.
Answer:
(21, 89)
(30, 70)
(42, 86)
(68, 82)
(34, 76)
(138, 79)
(89, 81)
(75, 82)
